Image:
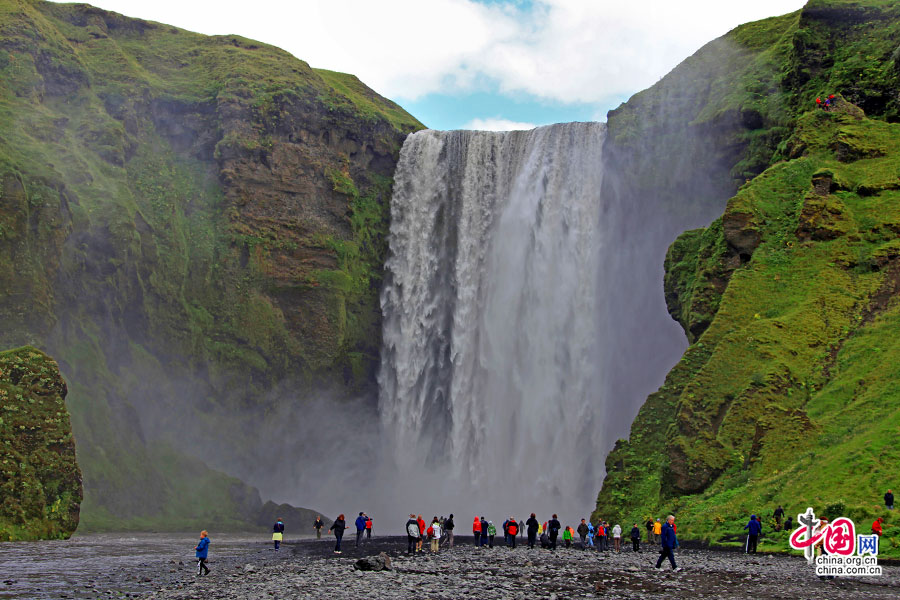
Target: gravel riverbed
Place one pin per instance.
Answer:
(309, 569)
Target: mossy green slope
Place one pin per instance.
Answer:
(40, 482)
(185, 223)
(788, 393)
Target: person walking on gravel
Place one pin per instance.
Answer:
(338, 528)
(202, 552)
(554, 527)
(412, 534)
(753, 528)
(582, 533)
(635, 538)
(617, 536)
(533, 526)
(476, 530)
(318, 525)
(668, 541)
(360, 527)
(278, 532)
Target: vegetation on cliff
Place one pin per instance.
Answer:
(40, 482)
(186, 224)
(788, 393)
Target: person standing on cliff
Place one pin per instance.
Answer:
(889, 500)
(202, 553)
(668, 541)
(318, 525)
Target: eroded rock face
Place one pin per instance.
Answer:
(40, 482)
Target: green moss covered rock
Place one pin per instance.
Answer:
(40, 482)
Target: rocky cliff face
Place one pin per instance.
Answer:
(787, 393)
(194, 226)
(39, 477)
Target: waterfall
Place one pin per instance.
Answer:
(491, 388)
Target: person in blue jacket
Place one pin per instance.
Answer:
(202, 550)
(278, 532)
(668, 541)
(361, 521)
(754, 527)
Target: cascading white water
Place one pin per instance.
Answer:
(490, 384)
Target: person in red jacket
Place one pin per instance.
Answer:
(876, 526)
(476, 530)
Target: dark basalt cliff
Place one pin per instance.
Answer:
(788, 392)
(195, 228)
(40, 482)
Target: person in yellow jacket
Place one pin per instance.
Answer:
(657, 530)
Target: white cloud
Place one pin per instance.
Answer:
(560, 50)
(497, 124)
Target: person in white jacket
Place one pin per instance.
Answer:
(617, 535)
(435, 535)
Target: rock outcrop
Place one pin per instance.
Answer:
(40, 482)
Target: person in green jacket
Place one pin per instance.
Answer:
(491, 531)
(567, 536)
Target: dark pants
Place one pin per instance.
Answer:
(338, 537)
(477, 538)
(201, 566)
(664, 553)
(411, 544)
(512, 541)
(636, 544)
(277, 544)
(368, 533)
(490, 541)
(553, 540)
(531, 537)
(751, 543)
(318, 533)
(359, 534)
(568, 542)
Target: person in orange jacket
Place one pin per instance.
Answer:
(476, 529)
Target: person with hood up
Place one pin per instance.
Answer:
(754, 527)
(582, 533)
(636, 538)
(491, 532)
(278, 532)
(668, 542)
(617, 536)
(567, 536)
(412, 534)
(476, 530)
(360, 527)
(338, 528)
(202, 553)
(592, 532)
(876, 526)
(484, 528)
(533, 526)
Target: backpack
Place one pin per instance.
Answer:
(413, 530)
(430, 532)
(513, 529)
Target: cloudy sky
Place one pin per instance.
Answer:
(486, 64)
